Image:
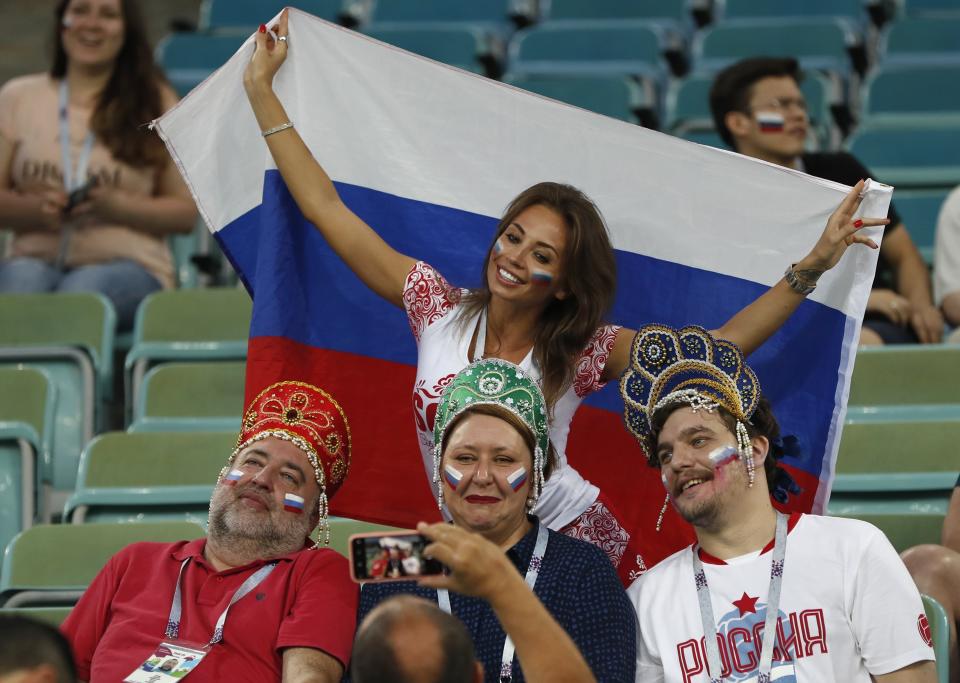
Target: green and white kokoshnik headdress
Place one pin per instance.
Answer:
(494, 382)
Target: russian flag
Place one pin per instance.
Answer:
(232, 477)
(770, 121)
(430, 156)
(293, 503)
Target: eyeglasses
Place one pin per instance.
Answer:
(781, 104)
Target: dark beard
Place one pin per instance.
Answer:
(267, 540)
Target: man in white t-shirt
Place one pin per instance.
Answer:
(842, 606)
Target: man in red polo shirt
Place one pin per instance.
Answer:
(253, 601)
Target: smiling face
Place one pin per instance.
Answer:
(92, 32)
(269, 497)
(525, 265)
(772, 100)
(700, 466)
(486, 469)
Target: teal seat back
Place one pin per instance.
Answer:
(676, 10)
(764, 9)
(457, 46)
(614, 47)
(53, 557)
(904, 94)
(940, 633)
(185, 394)
(921, 40)
(816, 43)
(188, 58)
(919, 210)
(614, 96)
(425, 11)
(246, 15)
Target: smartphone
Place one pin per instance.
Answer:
(78, 196)
(396, 556)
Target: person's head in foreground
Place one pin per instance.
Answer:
(33, 652)
(759, 110)
(407, 639)
(761, 595)
(292, 454)
(493, 450)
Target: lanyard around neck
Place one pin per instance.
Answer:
(173, 621)
(533, 571)
(72, 179)
(773, 607)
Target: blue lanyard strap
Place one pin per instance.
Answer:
(533, 571)
(773, 608)
(173, 621)
(72, 179)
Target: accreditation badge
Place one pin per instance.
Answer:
(172, 660)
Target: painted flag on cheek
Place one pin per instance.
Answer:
(293, 503)
(453, 476)
(770, 121)
(698, 234)
(723, 456)
(517, 478)
(232, 477)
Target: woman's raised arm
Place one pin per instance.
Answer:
(382, 268)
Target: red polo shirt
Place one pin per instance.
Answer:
(308, 600)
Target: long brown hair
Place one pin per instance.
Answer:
(131, 97)
(589, 278)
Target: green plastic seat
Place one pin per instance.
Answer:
(132, 477)
(921, 40)
(245, 15)
(919, 210)
(188, 58)
(52, 564)
(461, 46)
(26, 420)
(615, 96)
(71, 337)
(940, 632)
(620, 48)
(202, 396)
(341, 528)
(912, 95)
(817, 43)
(194, 324)
(912, 374)
(906, 519)
(898, 455)
(52, 616)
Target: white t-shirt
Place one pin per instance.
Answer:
(443, 340)
(848, 609)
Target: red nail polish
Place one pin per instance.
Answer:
(263, 28)
(858, 223)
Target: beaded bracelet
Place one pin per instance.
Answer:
(277, 129)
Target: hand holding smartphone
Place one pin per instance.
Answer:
(396, 556)
(78, 196)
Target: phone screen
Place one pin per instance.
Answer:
(391, 557)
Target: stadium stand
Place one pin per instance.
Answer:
(910, 156)
(186, 325)
(52, 564)
(911, 95)
(202, 396)
(919, 209)
(921, 40)
(156, 476)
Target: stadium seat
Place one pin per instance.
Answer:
(460, 46)
(910, 375)
(52, 564)
(912, 95)
(820, 44)
(915, 156)
(196, 324)
(919, 210)
(940, 632)
(785, 11)
(342, 528)
(152, 476)
(478, 12)
(930, 8)
(26, 418)
(905, 519)
(202, 396)
(898, 456)
(710, 138)
(921, 40)
(53, 616)
(618, 48)
(616, 96)
(245, 15)
(188, 58)
(71, 337)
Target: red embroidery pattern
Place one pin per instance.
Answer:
(425, 402)
(923, 625)
(597, 525)
(427, 296)
(593, 360)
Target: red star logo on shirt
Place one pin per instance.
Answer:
(746, 604)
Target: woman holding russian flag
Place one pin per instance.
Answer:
(548, 285)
